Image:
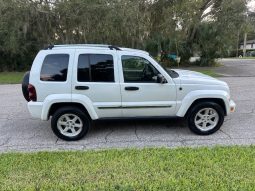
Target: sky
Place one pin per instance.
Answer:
(251, 5)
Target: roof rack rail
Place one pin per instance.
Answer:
(111, 47)
(114, 47)
(49, 47)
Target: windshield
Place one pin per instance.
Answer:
(170, 72)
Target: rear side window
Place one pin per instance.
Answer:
(54, 68)
(83, 68)
(95, 68)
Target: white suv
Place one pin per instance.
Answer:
(75, 84)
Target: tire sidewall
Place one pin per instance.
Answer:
(196, 109)
(71, 110)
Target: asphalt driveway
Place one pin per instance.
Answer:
(236, 67)
(19, 132)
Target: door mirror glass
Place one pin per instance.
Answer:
(161, 79)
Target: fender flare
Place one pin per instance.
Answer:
(68, 98)
(191, 97)
(87, 103)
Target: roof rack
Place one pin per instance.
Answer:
(111, 47)
(49, 47)
(114, 47)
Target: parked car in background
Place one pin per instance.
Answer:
(249, 53)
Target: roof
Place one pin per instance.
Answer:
(96, 46)
(249, 42)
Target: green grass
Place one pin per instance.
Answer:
(208, 72)
(248, 58)
(11, 77)
(220, 168)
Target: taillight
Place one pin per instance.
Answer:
(32, 92)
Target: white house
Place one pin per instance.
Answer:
(249, 45)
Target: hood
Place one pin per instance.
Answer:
(191, 77)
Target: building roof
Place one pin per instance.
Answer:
(249, 42)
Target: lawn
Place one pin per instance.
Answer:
(208, 72)
(219, 168)
(11, 77)
(248, 58)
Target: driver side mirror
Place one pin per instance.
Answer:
(161, 79)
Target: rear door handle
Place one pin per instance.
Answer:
(131, 88)
(81, 87)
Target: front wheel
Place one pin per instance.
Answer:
(206, 118)
(70, 123)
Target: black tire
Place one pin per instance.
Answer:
(25, 83)
(70, 110)
(198, 107)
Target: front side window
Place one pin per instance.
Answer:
(138, 70)
(95, 68)
(55, 67)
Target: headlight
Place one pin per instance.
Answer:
(228, 97)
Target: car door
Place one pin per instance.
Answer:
(95, 77)
(141, 94)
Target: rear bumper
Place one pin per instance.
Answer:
(35, 109)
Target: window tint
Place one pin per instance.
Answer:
(95, 68)
(83, 68)
(54, 68)
(138, 69)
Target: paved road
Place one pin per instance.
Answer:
(19, 132)
(237, 67)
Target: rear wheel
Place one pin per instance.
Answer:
(70, 123)
(206, 118)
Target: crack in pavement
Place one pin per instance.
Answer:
(225, 134)
(136, 132)
(155, 140)
(108, 134)
(112, 145)
(6, 141)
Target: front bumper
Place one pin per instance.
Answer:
(232, 106)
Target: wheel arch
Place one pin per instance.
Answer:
(55, 101)
(219, 101)
(217, 96)
(55, 106)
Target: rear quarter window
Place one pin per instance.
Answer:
(55, 68)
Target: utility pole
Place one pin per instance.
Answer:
(245, 34)
(237, 44)
(244, 44)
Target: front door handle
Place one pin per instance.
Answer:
(131, 88)
(81, 87)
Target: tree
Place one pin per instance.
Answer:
(185, 27)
